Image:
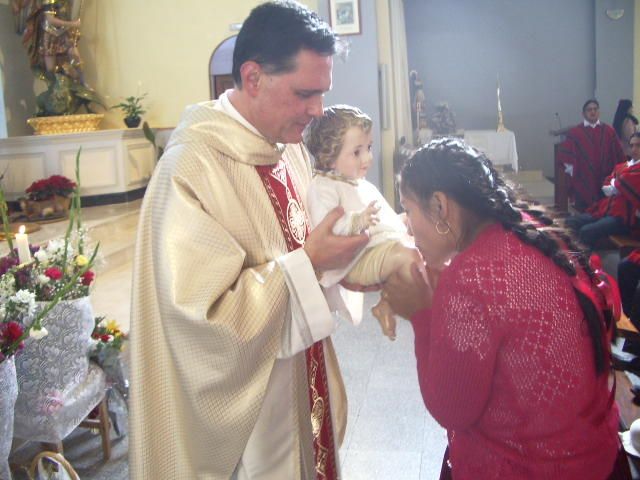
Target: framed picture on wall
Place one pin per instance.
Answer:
(345, 16)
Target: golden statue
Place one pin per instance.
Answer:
(51, 39)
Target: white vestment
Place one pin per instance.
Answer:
(222, 313)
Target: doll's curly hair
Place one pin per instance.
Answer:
(324, 136)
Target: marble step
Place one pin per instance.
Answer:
(114, 226)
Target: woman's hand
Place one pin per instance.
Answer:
(407, 297)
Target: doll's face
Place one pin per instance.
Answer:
(355, 156)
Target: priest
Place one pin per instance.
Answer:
(233, 372)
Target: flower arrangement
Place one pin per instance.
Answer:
(47, 188)
(107, 337)
(58, 271)
(108, 344)
(443, 121)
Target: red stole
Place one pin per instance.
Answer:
(295, 228)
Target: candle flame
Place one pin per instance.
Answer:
(21, 229)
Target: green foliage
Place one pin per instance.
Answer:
(132, 106)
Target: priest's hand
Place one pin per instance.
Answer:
(408, 296)
(328, 251)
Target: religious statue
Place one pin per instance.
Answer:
(418, 109)
(418, 102)
(51, 39)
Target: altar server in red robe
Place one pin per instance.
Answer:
(589, 153)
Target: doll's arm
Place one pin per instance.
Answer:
(368, 217)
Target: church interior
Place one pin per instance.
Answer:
(510, 77)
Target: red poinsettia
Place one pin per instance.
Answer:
(48, 187)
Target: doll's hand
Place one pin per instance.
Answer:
(366, 218)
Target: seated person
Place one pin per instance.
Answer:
(617, 213)
(628, 280)
(340, 142)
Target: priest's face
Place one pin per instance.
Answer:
(285, 103)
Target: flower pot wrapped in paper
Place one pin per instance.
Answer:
(107, 351)
(58, 386)
(45, 322)
(48, 198)
(8, 395)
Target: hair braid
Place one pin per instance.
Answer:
(467, 175)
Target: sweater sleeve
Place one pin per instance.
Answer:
(456, 358)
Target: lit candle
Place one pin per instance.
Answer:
(22, 243)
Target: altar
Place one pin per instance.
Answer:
(500, 147)
(115, 165)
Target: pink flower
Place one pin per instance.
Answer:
(54, 273)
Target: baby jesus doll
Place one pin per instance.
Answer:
(340, 142)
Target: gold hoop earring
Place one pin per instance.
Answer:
(439, 228)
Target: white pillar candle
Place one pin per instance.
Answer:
(22, 243)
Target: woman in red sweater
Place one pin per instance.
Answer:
(512, 336)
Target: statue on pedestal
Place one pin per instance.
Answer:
(51, 39)
(418, 107)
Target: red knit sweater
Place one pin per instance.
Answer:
(506, 365)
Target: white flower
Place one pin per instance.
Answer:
(25, 301)
(41, 256)
(7, 286)
(55, 250)
(55, 245)
(38, 334)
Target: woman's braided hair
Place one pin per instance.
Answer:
(451, 166)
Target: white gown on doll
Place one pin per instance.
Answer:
(328, 191)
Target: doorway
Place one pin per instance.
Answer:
(220, 66)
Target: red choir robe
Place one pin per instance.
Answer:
(626, 202)
(593, 152)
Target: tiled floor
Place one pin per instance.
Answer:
(390, 435)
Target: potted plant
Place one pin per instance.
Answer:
(132, 109)
(48, 197)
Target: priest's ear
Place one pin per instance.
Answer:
(251, 74)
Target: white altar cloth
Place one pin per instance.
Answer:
(500, 147)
